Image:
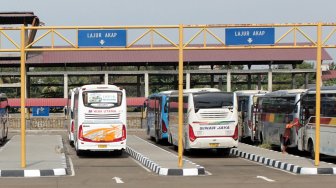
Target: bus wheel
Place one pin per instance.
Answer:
(157, 139)
(311, 149)
(79, 152)
(261, 140)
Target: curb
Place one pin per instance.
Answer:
(282, 165)
(199, 170)
(33, 173)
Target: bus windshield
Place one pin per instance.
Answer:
(328, 105)
(284, 105)
(99, 99)
(213, 100)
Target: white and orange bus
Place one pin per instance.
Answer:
(100, 118)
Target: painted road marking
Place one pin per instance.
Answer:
(265, 178)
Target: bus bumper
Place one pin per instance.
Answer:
(208, 143)
(108, 146)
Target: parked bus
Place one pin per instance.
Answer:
(4, 109)
(247, 113)
(70, 115)
(274, 111)
(210, 119)
(327, 121)
(157, 116)
(100, 118)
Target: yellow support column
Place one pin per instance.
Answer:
(318, 94)
(180, 98)
(23, 98)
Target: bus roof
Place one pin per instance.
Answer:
(324, 89)
(250, 92)
(167, 92)
(288, 92)
(196, 90)
(100, 86)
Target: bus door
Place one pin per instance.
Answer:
(157, 115)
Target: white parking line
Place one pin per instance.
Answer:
(265, 178)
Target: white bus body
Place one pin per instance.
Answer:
(246, 107)
(327, 122)
(100, 118)
(70, 115)
(275, 110)
(210, 119)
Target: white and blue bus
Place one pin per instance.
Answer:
(157, 116)
(210, 119)
(100, 118)
(247, 113)
(4, 109)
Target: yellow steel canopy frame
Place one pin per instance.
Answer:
(180, 45)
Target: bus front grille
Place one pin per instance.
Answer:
(102, 116)
(212, 115)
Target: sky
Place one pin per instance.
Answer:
(159, 12)
(173, 12)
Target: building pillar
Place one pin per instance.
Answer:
(228, 80)
(187, 80)
(270, 80)
(106, 79)
(306, 75)
(146, 85)
(138, 86)
(249, 78)
(293, 81)
(65, 89)
(259, 81)
(220, 82)
(28, 86)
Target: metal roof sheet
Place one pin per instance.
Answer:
(170, 57)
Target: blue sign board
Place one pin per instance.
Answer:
(102, 38)
(41, 111)
(249, 36)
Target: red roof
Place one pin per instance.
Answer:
(135, 101)
(171, 56)
(328, 75)
(131, 101)
(39, 102)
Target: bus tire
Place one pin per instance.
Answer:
(71, 143)
(156, 138)
(78, 151)
(311, 149)
(261, 140)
